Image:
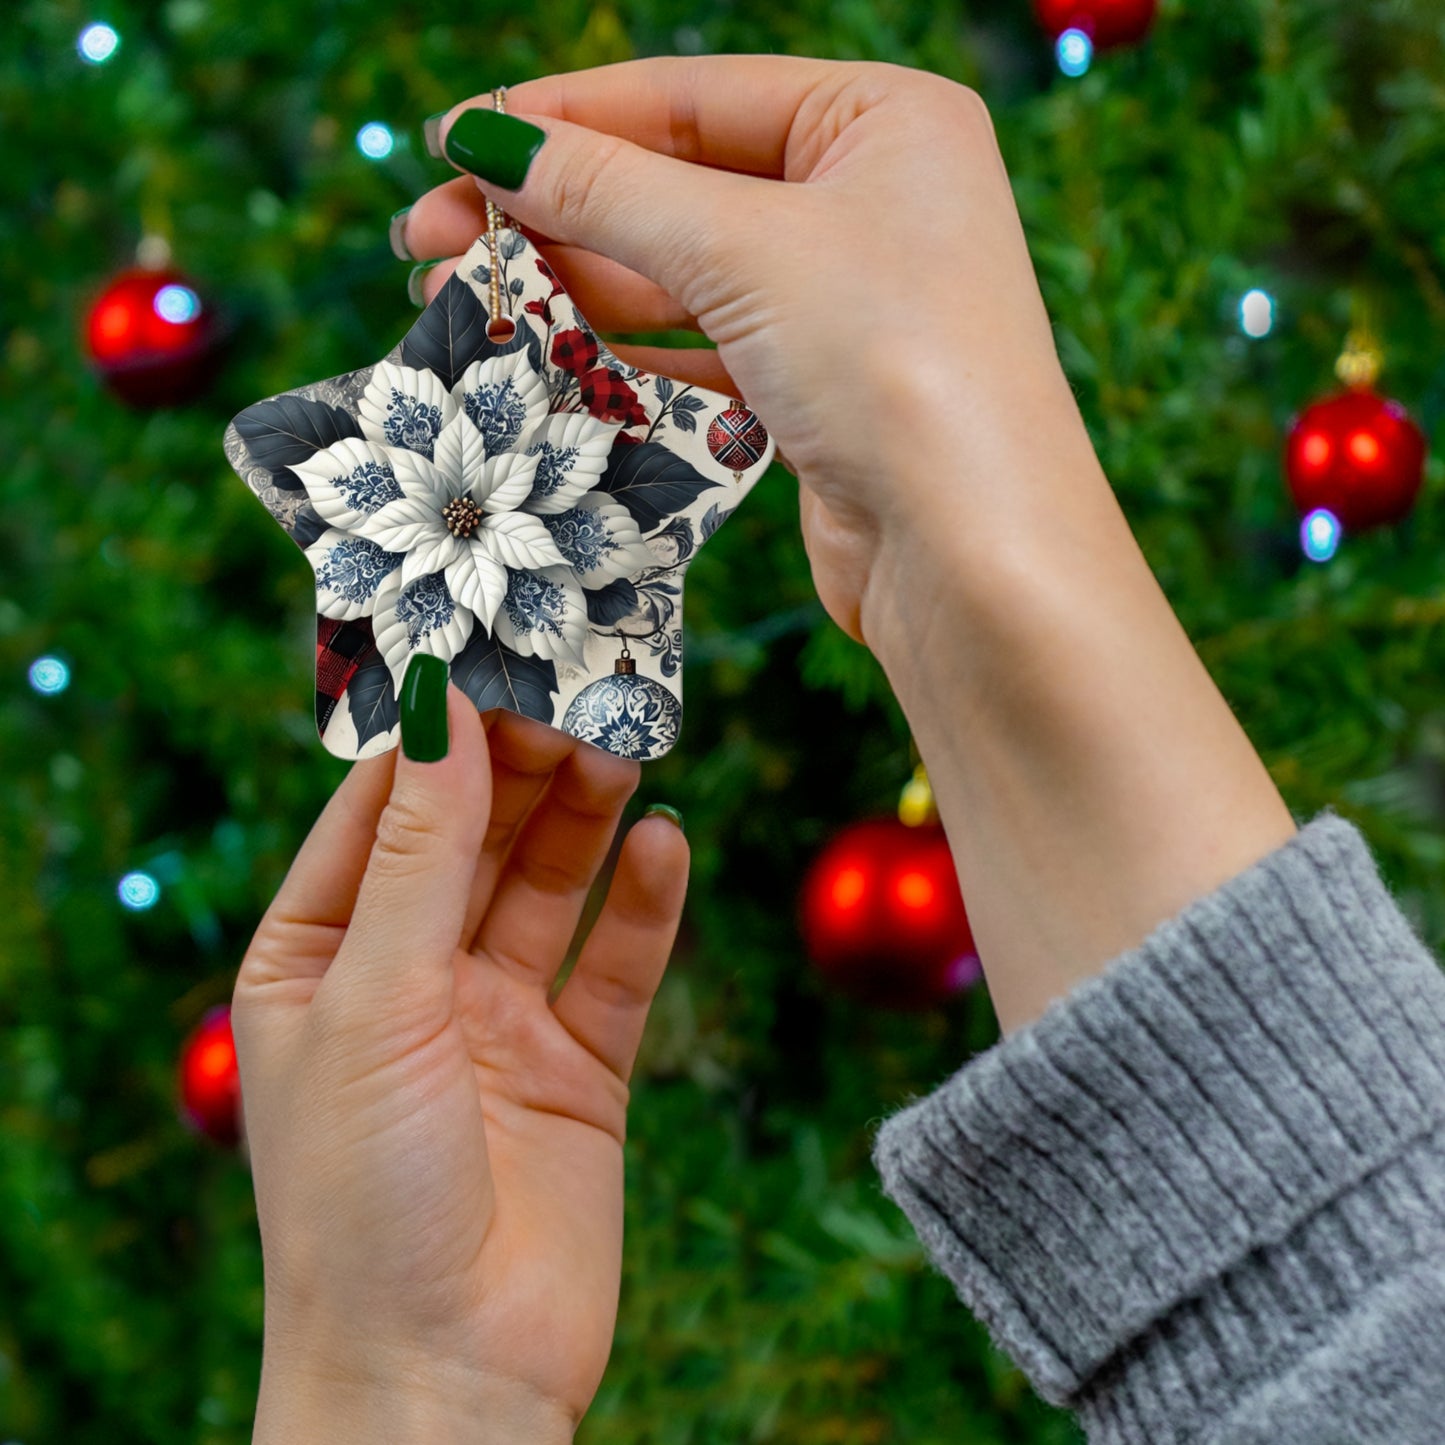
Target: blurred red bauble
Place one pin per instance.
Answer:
(152, 338)
(1106, 22)
(883, 919)
(210, 1083)
(1359, 456)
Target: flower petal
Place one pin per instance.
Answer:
(404, 407)
(544, 614)
(420, 616)
(503, 397)
(505, 482)
(460, 454)
(517, 540)
(401, 526)
(478, 581)
(349, 480)
(422, 480)
(349, 573)
(571, 450)
(431, 554)
(600, 540)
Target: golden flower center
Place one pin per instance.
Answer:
(462, 516)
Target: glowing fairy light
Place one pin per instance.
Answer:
(1256, 313)
(49, 675)
(138, 891)
(1320, 535)
(375, 140)
(97, 43)
(177, 304)
(1075, 52)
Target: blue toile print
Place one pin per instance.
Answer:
(523, 508)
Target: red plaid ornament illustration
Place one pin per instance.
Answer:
(737, 438)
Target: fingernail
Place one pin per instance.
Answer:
(424, 708)
(431, 133)
(498, 148)
(396, 234)
(671, 814)
(414, 293)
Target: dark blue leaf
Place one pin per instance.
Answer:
(308, 526)
(692, 403)
(516, 286)
(494, 676)
(664, 389)
(287, 481)
(513, 246)
(284, 430)
(679, 530)
(451, 334)
(652, 482)
(373, 700)
(685, 420)
(712, 519)
(610, 604)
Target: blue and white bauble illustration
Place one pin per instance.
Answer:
(632, 716)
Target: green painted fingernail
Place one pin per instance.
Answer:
(414, 293)
(396, 234)
(431, 133)
(498, 148)
(671, 814)
(424, 708)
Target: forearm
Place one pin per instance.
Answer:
(1091, 778)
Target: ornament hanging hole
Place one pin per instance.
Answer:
(501, 330)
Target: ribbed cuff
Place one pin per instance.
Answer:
(1192, 1161)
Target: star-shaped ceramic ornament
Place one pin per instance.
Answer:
(524, 509)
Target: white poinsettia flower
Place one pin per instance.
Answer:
(468, 507)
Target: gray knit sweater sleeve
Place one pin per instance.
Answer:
(1201, 1200)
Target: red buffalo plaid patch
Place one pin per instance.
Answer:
(574, 350)
(609, 398)
(341, 647)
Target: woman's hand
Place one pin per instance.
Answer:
(880, 311)
(437, 1147)
(847, 235)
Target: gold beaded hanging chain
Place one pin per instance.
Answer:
(501, 327)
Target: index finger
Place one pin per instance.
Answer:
(733, 112)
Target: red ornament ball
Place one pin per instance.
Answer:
(737, 439)
(209, 1081)
(1106, 22)
(1359, 456)
(883, 919)
(152, 338)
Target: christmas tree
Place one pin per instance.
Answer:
(1212, 210)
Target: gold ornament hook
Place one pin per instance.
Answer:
(500, 327)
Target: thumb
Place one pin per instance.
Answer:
(412, 901)
(664, 218)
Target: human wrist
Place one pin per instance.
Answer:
(1090, 776)
(321, 1402)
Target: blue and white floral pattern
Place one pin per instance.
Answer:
(424, 446)
(630, 715)
(354, 568)
(518, 509)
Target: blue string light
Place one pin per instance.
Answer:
(1075, 53)
(97, 43)
(375, 140)
(138, 891)
(49, 675)
(1320, 534)
(177, 304)
(1256, 313)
